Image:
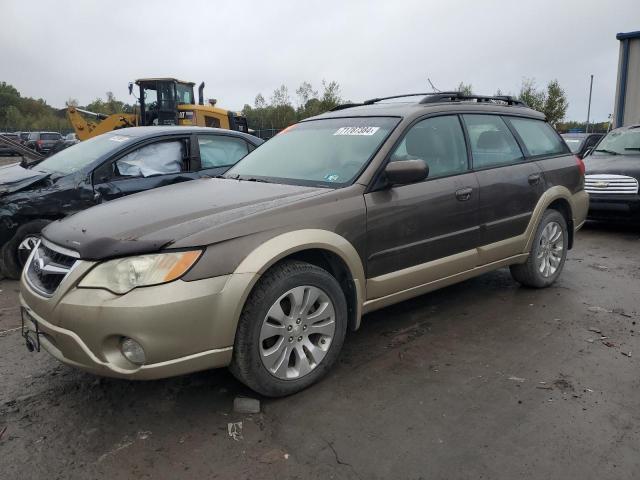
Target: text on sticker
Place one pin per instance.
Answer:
(356, 130)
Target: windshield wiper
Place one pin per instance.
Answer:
(253, 179)
(606, 151)
(248, 179)
(632, 148)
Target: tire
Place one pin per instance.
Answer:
(294, 335)
(11, 255)
(545, 261)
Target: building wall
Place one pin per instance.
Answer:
(627, 103)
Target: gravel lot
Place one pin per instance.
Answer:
(484, 379)
(9, 160)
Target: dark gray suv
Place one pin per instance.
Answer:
(264, 269)
(43, 142)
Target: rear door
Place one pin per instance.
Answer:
(154, 164)
(411, 225)
(510, 184)
(218, 153)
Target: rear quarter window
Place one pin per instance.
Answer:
(539, 137)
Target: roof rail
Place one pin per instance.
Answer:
(379, 99)
(440, 97)
(461, 97)
(345, 105)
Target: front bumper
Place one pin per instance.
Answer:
(614, 207)
(183, 326)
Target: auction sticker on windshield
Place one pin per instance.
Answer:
(356, 130)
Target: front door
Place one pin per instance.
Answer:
(153, 165)
(421, 232)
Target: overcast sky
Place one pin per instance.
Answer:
(81, 49)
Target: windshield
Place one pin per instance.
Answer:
(328, 152)
(573, 143)
(620, 142)
(78, 156)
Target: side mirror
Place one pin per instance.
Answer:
(403, 172)
(131, 89)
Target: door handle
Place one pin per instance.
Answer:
(464, 194)
(534, 179)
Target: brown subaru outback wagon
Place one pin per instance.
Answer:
(264, 269)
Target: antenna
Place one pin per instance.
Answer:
(433, 87)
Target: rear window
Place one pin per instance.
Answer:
(49, 136)
(539, 137)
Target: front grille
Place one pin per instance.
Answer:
(49, 266)
(610, 184)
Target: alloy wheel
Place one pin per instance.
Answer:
(550, 249)
(297, 332)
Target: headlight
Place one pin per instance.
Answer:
(124, 274)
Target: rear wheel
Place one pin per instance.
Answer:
(291, 329)
(548, 253)
(16, 251)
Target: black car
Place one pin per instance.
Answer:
(43, 142)
(104, 168)
(581, 143)
(613, 175)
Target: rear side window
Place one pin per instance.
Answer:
(492, 143)
(221, 151)
(539, 137)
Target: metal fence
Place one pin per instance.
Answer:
(266, 133)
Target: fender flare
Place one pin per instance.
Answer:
(548, 197)
(254, 265)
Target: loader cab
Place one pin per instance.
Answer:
(159, 100)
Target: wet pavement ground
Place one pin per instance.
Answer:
(483, 379)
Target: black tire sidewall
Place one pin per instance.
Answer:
(262, 380)
(9, 253)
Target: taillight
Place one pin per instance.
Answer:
(39, 142)
(581, 166)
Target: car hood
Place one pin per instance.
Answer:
(14, 178)
(151, 220)
(613, 164)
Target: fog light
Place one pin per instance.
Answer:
(133, 351)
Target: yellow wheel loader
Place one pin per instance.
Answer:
(161, 101)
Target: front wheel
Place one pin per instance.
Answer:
(548, 253)
(16, 251)
(291, 329)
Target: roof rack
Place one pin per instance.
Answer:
(461, 97)
(440, 97)
(426, 95)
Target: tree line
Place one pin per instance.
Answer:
(280, 110)
(550, 100)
